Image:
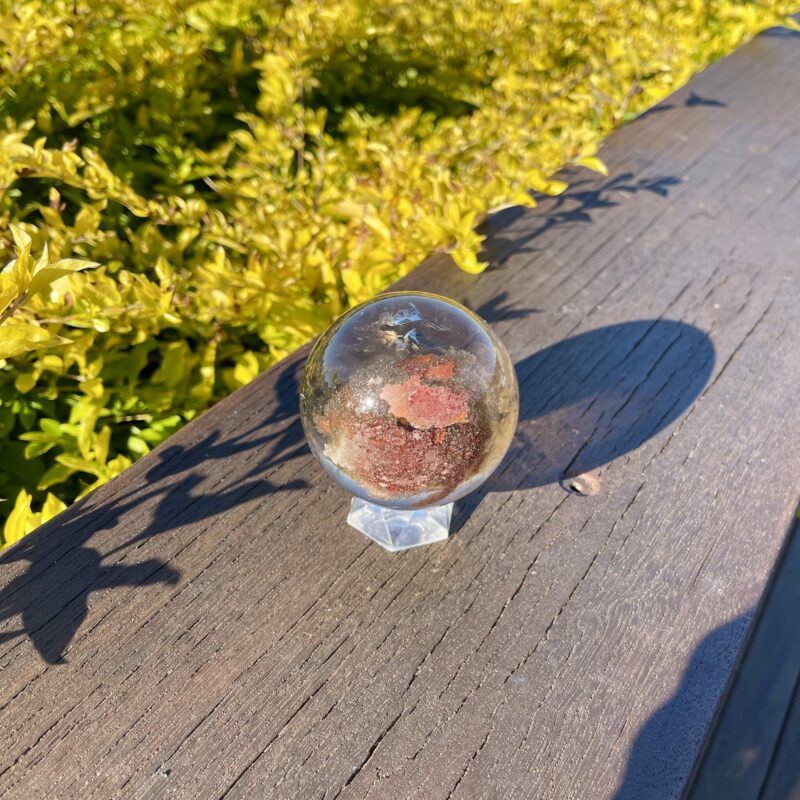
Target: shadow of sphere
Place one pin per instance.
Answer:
(591, 398)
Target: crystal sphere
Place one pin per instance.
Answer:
(409, 400)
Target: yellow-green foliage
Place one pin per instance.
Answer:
(243, 170)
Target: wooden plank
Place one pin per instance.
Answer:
(743, 750)
(207, 625)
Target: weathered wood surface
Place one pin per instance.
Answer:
(754, 750)
(207, 625)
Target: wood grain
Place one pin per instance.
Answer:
(207, 626)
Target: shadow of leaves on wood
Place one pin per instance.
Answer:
(575, 205)
(782, 33)
(694, 100)
(500, 309)
(64, 566)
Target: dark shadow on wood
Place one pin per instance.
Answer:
(573, 206)
(577, 202)
(782, 33)
(695, 99)
(783, 776)
(51, 618)
(754, 749)
(591, 398)
(500, 309)
(662, 737)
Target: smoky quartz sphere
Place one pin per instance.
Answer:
(409, 400)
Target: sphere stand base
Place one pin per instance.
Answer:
(397, 529)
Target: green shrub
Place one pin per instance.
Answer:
(243, 170)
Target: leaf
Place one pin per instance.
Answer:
(21, 265)
(51, 427)
(352, 282)
(66, 266)
(21, 239)
(175, 364)
(79, 464)
(345, 210)
(593, 163)
(379, 226)
(468, 261)
(21, 520)
(101, 444)
(36, 449)
(17, 338)
(8, 290)
(137, 446)
(43, 260)
(58, 473)
(86, 435)
(25, 381)
(52, 506)
(246, 369)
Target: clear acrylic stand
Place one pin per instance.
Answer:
(396, 529)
